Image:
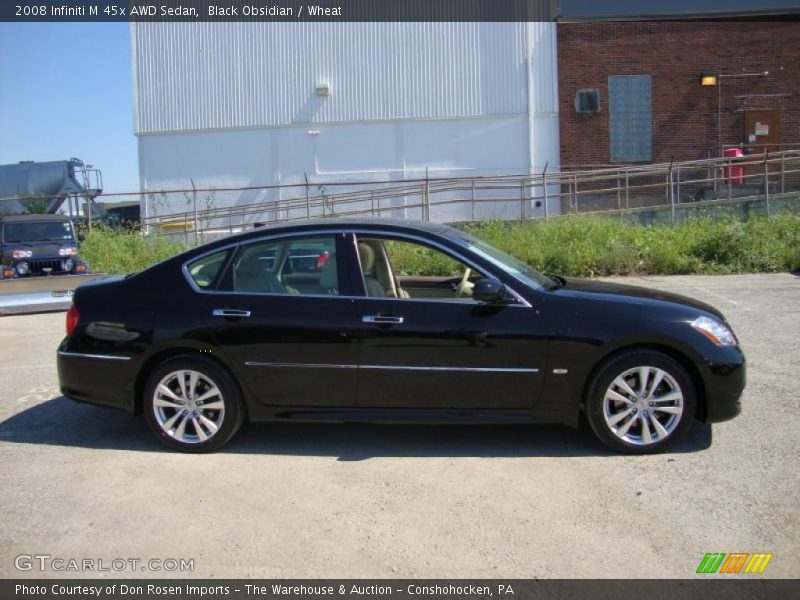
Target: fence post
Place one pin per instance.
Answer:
(619, 192)
(230, 219)
(678, 182)
(783, 169)
(730, 168)
(766, 179)
(671, 194)
(522, 214)
(308, 201)
(426, 206)
(372, 203)
(575, 191)
(194, 200)
(472, 202)
(544, 188)
(627, 191)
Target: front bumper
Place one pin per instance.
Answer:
(38, 267)
(725, 382)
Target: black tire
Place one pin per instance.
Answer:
(228, 420)
(634, 440)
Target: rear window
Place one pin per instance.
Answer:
(205, 270)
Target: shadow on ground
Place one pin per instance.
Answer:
(61, 422)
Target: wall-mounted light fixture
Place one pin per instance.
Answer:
(708, 79)
(323, 88)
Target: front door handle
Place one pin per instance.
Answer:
(382, 320)
(231, 313)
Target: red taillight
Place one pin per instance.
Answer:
(322, 259)
(72, 319)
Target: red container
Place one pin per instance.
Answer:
(734, 172)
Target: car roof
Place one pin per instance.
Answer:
(399, 225)
(26, 218)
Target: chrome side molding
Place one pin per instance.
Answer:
(93, 356)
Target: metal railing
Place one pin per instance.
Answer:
(458, 199)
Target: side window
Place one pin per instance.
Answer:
(292, 266)
(404, 269)
(204, 270)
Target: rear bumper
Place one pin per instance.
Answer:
(103, 380)
(725, 383)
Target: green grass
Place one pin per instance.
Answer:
(111, 251)
(578, 246)
(587, 247)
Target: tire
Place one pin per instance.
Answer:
(616, 409)
(203, 427)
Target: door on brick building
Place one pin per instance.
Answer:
(762, 133)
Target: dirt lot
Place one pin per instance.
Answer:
(387, 501)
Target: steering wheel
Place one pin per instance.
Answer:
(464, 289)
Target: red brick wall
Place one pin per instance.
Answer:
(675, 54)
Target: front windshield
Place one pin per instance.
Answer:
(37, 231)
(506, 262)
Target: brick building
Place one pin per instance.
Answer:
(641, 97)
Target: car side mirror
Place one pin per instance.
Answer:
(491, 291)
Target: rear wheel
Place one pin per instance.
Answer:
(641, 402)
(192, 405)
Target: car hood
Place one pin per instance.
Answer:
(39, 249)
(623, 292)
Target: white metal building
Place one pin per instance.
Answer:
(230, 105)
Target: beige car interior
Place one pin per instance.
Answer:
(380, 280)
(258, 272)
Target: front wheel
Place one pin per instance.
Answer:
(641, 402)
(192, 405)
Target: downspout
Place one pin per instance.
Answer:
(529, 75)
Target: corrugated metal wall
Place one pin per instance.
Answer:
(229, 75)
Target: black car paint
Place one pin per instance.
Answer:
(562, 332)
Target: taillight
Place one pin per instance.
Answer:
(72, 319)
(322, 259)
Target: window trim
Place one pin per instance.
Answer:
(353, 234)
(520, 301)
(220, 274)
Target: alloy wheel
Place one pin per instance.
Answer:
(643, 405)
(188, 406)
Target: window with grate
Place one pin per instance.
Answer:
(630, 118)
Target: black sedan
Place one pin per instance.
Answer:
(401, 322)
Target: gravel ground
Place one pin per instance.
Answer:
(296, 500)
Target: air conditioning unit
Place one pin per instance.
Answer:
(587, 102)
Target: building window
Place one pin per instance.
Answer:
(630, 118)
(587, 102)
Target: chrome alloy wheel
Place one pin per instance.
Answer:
(643, 405)
(188, 406)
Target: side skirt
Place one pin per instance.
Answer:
(390, 415)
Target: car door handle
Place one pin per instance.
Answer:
(381, 320)
(231, 313)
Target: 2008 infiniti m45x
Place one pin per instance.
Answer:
(348, 320)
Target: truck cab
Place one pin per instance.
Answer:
(39, 245)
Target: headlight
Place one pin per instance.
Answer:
(22, 268)
(22, 253)
(69, 251)
(715, 331)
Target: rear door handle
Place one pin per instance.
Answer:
(231, 312)
(382, 319)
